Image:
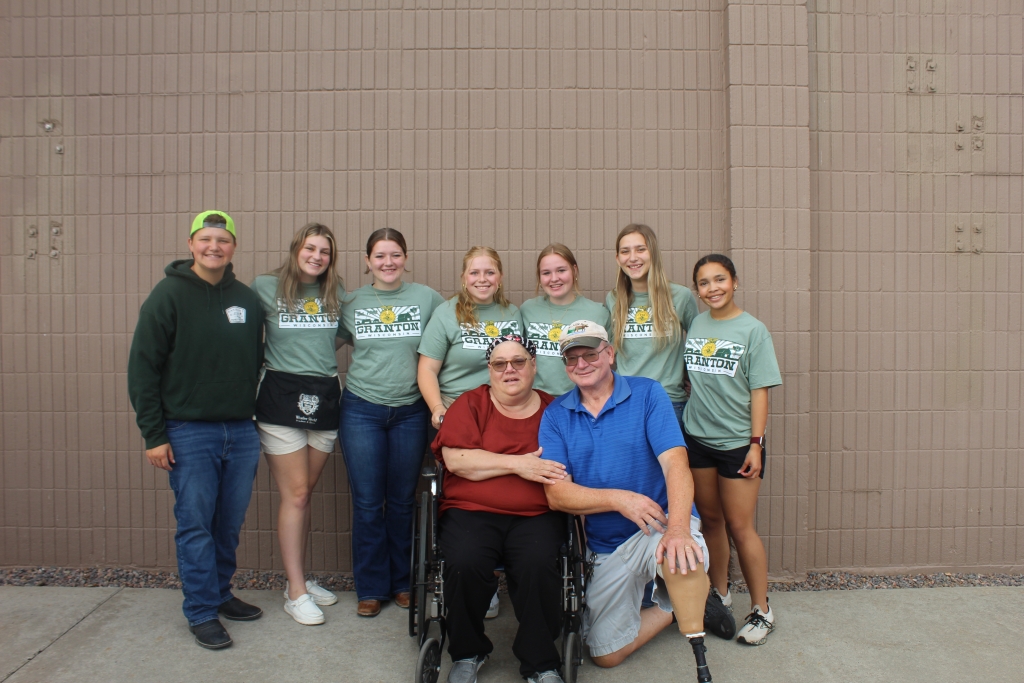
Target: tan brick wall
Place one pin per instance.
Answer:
(917, 345)
(782, 133)
(769, 191)
(512, 127)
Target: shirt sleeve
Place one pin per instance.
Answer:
(151, 344)
(686, 309)
(663, 430)
(435, 343)
(462, 426)
(550, 438)
(517, 315)
(763, 369)
(435, 300)
(347, 304)
(344, 334)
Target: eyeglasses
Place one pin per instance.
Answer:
(500, 365)
(589, 356)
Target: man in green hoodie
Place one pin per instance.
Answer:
(192, 377)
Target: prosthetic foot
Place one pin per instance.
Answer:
(697, 643)
(688, 593)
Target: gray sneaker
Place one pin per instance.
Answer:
(464, 670)
(545, 677)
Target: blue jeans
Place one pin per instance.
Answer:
(679, 408)
(383, 448)
(214, 468)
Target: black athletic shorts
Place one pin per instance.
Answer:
(727, 462)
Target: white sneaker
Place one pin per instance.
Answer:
(545, 677)
(492, 611)
(757, 628)
(464, 670)
(304, 610)
(320, 595)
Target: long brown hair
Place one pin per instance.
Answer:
(465, 309)
(288, 274)
(566, 253)
(663, 309)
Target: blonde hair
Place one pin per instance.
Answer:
(465, 309)
(663, 309)
(564, 252)
(288, 281)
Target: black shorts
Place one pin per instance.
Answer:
(727, 462)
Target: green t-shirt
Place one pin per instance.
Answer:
(641, 356)
(544, 322)
(461, 348)
(726, 360)
(300, 341)
(384, 328)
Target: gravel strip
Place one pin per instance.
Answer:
(256, 580)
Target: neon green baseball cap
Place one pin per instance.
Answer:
(201, 222)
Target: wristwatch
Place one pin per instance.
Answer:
(759, 440)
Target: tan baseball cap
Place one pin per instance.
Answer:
(582, 333)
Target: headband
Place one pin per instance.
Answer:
(530, 347)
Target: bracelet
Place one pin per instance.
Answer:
(435, 407)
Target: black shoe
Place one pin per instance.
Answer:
(211, 634)
(718, 618)
(236, 610)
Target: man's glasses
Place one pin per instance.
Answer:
(500, 365)
(589, 356)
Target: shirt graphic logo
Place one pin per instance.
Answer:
(638, 323)
(480, 335)
(308, 404)
(713, 356)
(235, 314)
(545, 336)
(308, 314)
(388, 322)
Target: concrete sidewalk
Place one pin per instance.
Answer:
(930, 635)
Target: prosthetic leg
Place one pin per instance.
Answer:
(688, 593)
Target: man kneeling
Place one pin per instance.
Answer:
(626, 468)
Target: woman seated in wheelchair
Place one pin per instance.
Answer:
(494, 511)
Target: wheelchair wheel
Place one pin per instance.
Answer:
(419, 593)
(413, 562)
(428, 665)
(571, 657)
(418, 565)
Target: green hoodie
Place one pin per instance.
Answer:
(196, 352)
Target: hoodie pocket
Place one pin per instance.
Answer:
(216, 401)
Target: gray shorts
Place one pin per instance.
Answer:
(616, 589)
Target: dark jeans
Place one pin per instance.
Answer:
(473, 543)
(383, 449)
(214, 467)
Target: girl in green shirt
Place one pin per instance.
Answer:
(298, 403)
(453, 353)
(384, 419)
(649, 314)
(452, 350)
(731, 363)
(558, 276)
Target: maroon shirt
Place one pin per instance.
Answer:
(473, 422)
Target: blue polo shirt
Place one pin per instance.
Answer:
(618, 449)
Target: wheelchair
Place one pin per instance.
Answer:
(426, 604)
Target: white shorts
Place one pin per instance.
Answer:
(616, 590)
(278, 440)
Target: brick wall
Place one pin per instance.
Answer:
(783, 133)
